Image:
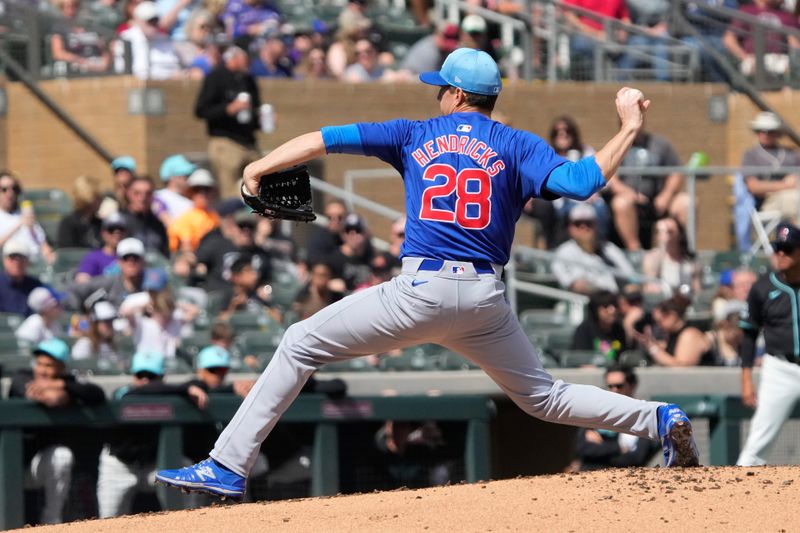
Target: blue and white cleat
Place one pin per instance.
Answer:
(207, 476)
(677, 441)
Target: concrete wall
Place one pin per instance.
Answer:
(46, 154)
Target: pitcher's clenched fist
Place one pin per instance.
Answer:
(631, 107)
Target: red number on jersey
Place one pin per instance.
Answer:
(459, 184)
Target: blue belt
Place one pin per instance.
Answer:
(481, 267)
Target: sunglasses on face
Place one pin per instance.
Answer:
(131, 257)
(115, 229)
(583, 223)
(11, 188)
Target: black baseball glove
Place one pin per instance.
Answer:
(285, 194)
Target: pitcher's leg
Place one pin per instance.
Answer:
(371, 321)
(508, 357)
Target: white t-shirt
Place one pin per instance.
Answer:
(150, 336)
(34, 330)
(177, 204)
(154, 59)
(106, 355)
(34, 236)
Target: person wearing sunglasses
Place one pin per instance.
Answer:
(596, 449)
(584, 263)
(772, 309)
(18, 220)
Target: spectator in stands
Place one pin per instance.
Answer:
(670, 260)
(684, 345)
(174, 172)
(124, 170)
(174, 15)
(341, 52)
(397, 237)
(350, 262)
(231, 118)
(233, 239)
(82, 227)
(49, 384)
(77, 47)
(324, 241)
(602, 331)
(130, 256)
(247, 19)
(740, 38)
(726, 336)
(317, 293)
(105, 13)
(127, 15)
(474, 34)
(187, 230)
(637, 201)
(652, 18)
(711, 25)
(213, 364)
(272, 60)
(775, 191)
(153, 54)
(313, 66)
(140, 220)
(127, 462)
(269, 236)
(15, 283)
(158, 322)
(200, 50)
(598, 449)
(244, 294)
(366, 67)
(734, 285)
(589, 30)
(99, 261)
(428, 53)
(565, 138)
(43, 323)
(583, 264)
(631, 307)
(18, 220)
(99, 343)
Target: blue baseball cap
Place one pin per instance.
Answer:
(176, 165)
(148, 361)
(155, 279)
(473, 71)
(55, 348)
(213, 357)
(124, 162)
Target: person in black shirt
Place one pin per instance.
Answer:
(229, 103)
(772, 307)
(602, 330)
(141, 222)
(602, 449)
(49, 384)
(350, 262)
(81, 228)
(684, 345)
(128, 460)
(325, 241)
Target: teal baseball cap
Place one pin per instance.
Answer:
(213, 357)
(124, 162)
(176, 165)
(148, 361)
(55, 348)
(473, 71)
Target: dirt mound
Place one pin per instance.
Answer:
(708, 498)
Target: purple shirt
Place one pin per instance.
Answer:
(95, 262)
(239, 16)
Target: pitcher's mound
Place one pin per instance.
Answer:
(762, 499)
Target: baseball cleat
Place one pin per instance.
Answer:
(208, 477)
(677, 441)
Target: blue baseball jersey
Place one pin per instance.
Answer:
(467, 179)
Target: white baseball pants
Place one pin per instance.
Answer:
(51, 469)
(455, 307)
(778, 392)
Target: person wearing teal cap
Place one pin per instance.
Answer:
(174, 172)
(48, 452)
(128, 458)
(124, 169)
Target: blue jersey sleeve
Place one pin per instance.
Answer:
(577, 180)
(536, 160)
(386, 140)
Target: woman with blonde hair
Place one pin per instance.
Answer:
(199, 50)
(81, 228)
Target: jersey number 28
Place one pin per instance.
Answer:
(458, 183)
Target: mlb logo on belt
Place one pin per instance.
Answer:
(458, 270)
(464, 128)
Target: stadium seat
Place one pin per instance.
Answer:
(10, 322)
(448, 360)
(10, 363)
(284, 289)
(47, 202)
(256, 343)
(68, 259)
(358, 364)
(192, 345)
(409, 359)
(579, 358)
(243, 321)
(11, 346)
(632, 358)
